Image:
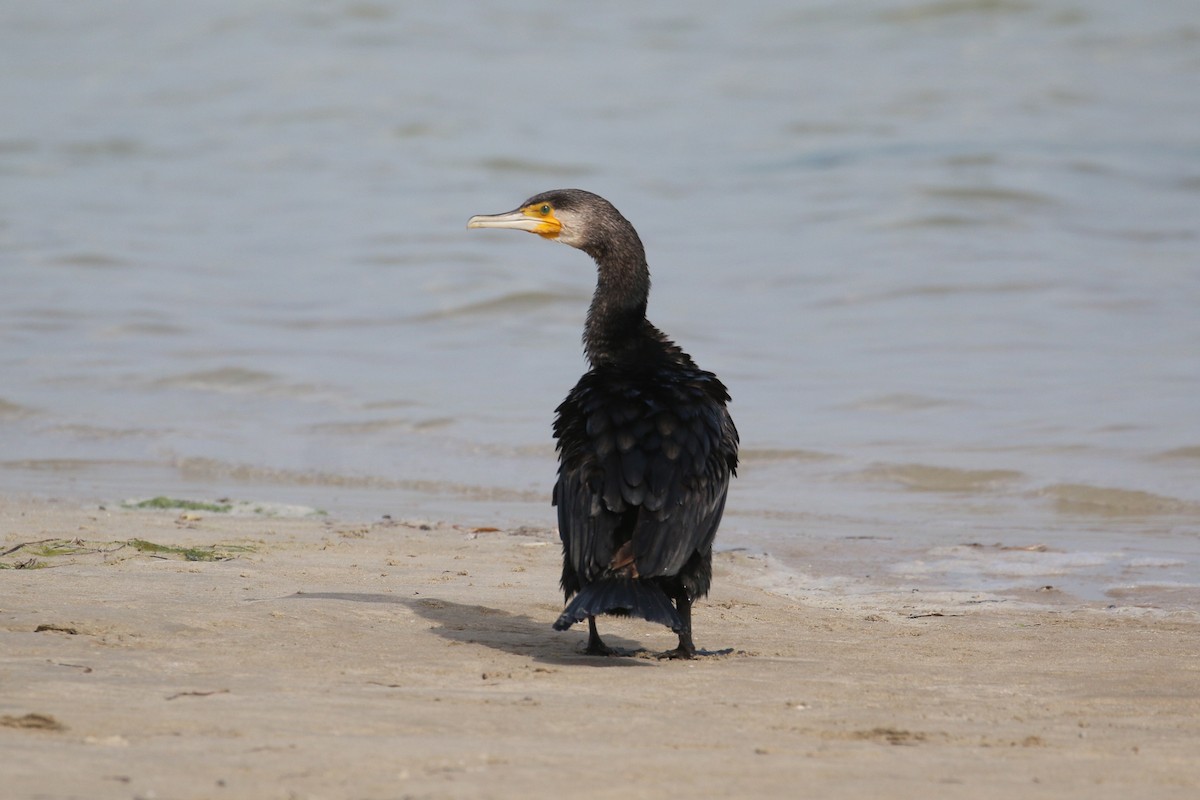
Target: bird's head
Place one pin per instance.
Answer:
(570, 216)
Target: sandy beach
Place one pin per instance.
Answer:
(169, 654)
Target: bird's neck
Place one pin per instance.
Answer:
(616, 328)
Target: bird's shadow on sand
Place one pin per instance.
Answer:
(502, 630)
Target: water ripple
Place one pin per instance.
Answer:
(1103, 501)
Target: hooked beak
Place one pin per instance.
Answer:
(520, 220)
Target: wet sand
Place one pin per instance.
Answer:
(318, 658)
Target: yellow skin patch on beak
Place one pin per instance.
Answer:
(548, 225)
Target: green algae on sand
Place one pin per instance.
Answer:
(183, 505)
(58, 552)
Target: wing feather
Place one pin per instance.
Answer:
(654, 453)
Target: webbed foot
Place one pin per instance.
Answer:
(596, 645)
(684, 653)
(678, 653)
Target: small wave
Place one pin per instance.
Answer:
(925, 478)
(941, 290)
(1003, 287)
(524, 167)
(1138, 234)
(1179, 454)
(763, 454)
(327, 323)
(234, 380)
(954, 8)
(988, 194)
(414, 130)
(938, 221)
(1157, 594)
(515, 302)
(145, 329)
(220, 378)
(14, 411)
(73, 464)
(9, 146)
(1075, 498)
(982, 561)
(422, 257)
(899, 401)
(381, 425)
(96, 433)
(210, 469)
(88, 259)
(369, 11)
(1155, 562)
(107, 147)
(300, 116)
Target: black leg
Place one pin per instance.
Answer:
(686, 648)
(595, 646)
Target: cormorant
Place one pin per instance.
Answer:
(646, 446)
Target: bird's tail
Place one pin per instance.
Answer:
(638, 598)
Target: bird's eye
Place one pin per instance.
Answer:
(545, 210)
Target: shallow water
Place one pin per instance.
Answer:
(945, 254)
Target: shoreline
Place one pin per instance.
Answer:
(1145, 565)
(317, 657)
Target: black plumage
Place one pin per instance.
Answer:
(645, 441)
